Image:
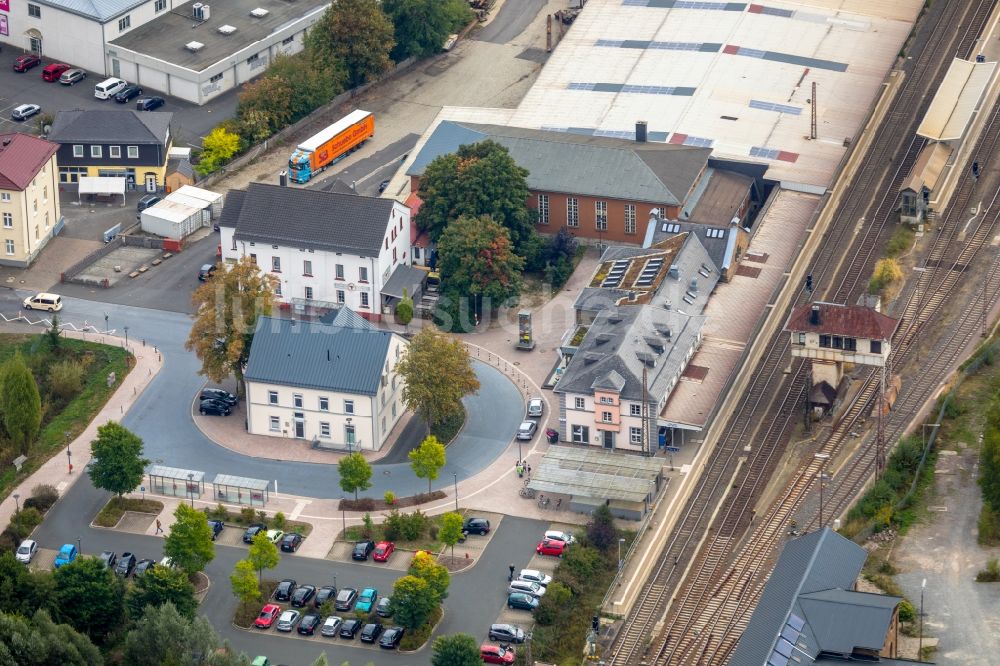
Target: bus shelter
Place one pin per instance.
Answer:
(175, 481)
(241, 490)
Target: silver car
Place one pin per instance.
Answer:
(535, 408)
(71, 76)
(527, 430)
(288, 620)
(534, 576)
(526, 586)
(331, 626)
(26, 551)
(24, 111)
(558, 535)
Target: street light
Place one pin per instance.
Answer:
(79, 547)
(822, 478)
(920, 648)
(125, 328)
(105, 322)
(620, 542)
(455, 477)
(69, 459)
(343, 517)
(17, 503)
(190, 489)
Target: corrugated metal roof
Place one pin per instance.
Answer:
(111, 126)
(842, 620)
(22, 156)
(102, 10)
(835, 319)
(347, 356)
(927, 169)
(956, 100)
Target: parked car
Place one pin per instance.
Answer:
(370, 632)
(383, 549)
(526, 586)
(66, 555)
(307, 627)
(253, 531)
(381, 186)
(527, 430)
(506, 633)
(206, 271)
(325, 594)
(268, 614)
(216, 526)
(149, 103)
(476, 526)
(349, 628)
(287, 620)
(24, 111)
(331, 626)
(26, 551)
(214, 407)
(275, 535)
(303, 595)
(496, 654)
(534, 576)
(550, 547)
(345, 599)
(143, 566)
(126, 564)
(147, 201)
(23, 63)
(220, 396)
(384, 607)
(557, 535)
(366, 600)
(53, 71)
(127, 93)
(291, 542)
(522, 601)
(72, 76)
(285, 590)
(535, 408)
(390, 639)
(362, 549)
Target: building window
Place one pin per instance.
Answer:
(324, 430)
(630, 218)
(340, 296)
(46, 219)
(95, 151)
(253, 259)
(10, 246)
(275, 264)
(216, 78)
(580, 403)
(254, 58)
(572, 212)
(34, 205)
(850, 344)
(36, 232)
(338, 271)
(875, 346)
(824, 341)
(45, 194)
(272, 397)
(838, 342)
(160, 5)
(601, 215)
(297, 400)
(393, 410)
(635, 435)
(348, 406)
(607, 400)
(5, 196)
(543, 209)
(8, 221)
(309, 293)
(581, 434)
(307, 268)
(115, 152)
(77, 150)
(124, 23)
(275, 424)
(287, 40)
(802, 338)
(324, 404)
(34, 11)
(133, 152)
(364, 299)
(363, 274)
(606, 417)
(383, 424)
(635, 410)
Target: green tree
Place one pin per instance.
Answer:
(437, 373)
(601, 530)
(228, 308)
(989, 476)
(404, 309)
(89, 597)
(245, 587)
(355, 474)
(270, 98)
(216, 149)
(413, 601)
(451, 530)
(163, 636)
(263, 554)
(53, 334)
(550, 610)
(20, 404)
(479, 179)
(437, 576)
(422, 26)
(475, 259)
(158, 586)
(427, 459)
(41, 642)
(313, 85)
(321, 660)
(456, 650)
(118, 463)
(356, 33)
(189, 542)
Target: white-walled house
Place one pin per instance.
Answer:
(327, 250)
(334, 384)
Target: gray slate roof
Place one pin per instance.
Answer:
(101, 10)
(813, 581)
(308, 219)
(111, 126)
(347, 356)
(719, 248)
(181, 165)
(579, 164)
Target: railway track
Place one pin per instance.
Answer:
(716, 591)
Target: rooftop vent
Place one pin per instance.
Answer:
(259, 13)
(675, 271)
(694, 284)
(814, 318)
(640, 131)
(201, 11)
(194, 46)
(227, 29)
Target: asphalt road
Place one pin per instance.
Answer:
(514, 17)
(475, 598)
(368, 173)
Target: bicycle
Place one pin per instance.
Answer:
(527, 492)
(543, 501)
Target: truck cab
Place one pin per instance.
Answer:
(299, 170)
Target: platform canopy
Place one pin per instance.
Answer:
(956, 100)
(588, 472)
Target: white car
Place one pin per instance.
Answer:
(275, 535)
(534, 576)
(26, 551)
(331, 626)
(288, 620)
(526, 586)
(556, 535)
(24, 111)
(535, 408)
(527, 430)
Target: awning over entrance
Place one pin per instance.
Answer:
(101, 186)
(404, 277)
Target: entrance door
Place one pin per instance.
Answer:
(151, 182)
(349, 435)
(609, 439)
(36, 45)
(116, 68)
(300, 425)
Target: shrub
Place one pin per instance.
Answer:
(248, 515)
(558, 598)
(218, 513)
(368, 526)
(991, 573)
(25, 521)
(389, 497)
(433, 531)
(42, 498)
(279, 521)
(413, 525)
(906, 611)
(65, 379)
(8, 541)
(392, 526)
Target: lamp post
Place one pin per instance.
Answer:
(920, 648)
(79, 547)
(105, 322)
(343, 517)
(822, 480)
(190, 489)
(17, 503)
(620, 542)
(69, 459)
(125, 328)
(455, 478)
(519, 456)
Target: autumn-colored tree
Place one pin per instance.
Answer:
(475, 259)
(268, 101)
(437, 373)
(356, 33)
(216, 149)
(228, 307)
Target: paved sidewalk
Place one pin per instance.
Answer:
(55, 472)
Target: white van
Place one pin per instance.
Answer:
(108, 88)
(50, 302)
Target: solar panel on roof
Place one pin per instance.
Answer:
(789, 634)
(795, 622)
(783, 647)
(777, 660)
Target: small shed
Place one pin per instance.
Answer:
(179, 169)
(196, 196)
(173, 219)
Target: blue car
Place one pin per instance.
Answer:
(66, 555)
(367, 600)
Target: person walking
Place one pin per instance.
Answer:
(159, 528)
(510, 576)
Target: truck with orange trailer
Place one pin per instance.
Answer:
(330, 145)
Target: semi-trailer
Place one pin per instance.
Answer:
(330, 145)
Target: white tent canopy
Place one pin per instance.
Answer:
(101, 185)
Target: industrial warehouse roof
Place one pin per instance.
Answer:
(956, 100)
(834, 319)
(596, 473)
(111, 126)
(579, 164)
(347, 356)
(22, 156)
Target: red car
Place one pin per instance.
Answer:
(551, 547)
(53, 71)
(383, 549)
(25, 62)
(494, 654)
(268, 614)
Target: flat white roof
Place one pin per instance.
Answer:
(101, 185)
(196, 193)
(730, 75)
(333, 130)
(956, 100)
(172, 211)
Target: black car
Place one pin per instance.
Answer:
(291, 542)
(476, 526)
(109, 558)
(390, 639)
(214, 407)
(506, 633)
(325, 594)
(362, 549)
(216, 527)
(149, 103)
(307, 627)
(206, 271)
(285, 590)
(126, 564)
(219, 396)
(371, 632)
(145, 202)
(128, 93)
(143, 566)
(253, 531)
(349, 628)
(345, 599)
(302, 595)
(381, 186)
